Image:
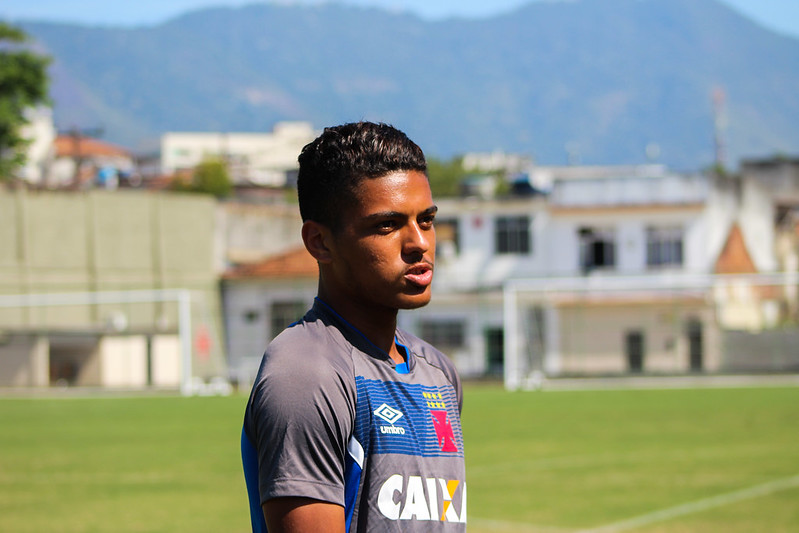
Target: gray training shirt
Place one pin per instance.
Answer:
(331, 417)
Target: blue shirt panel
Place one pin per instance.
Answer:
(412, 433)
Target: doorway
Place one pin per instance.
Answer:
(495, 351)
(634, 348)
(693, 331)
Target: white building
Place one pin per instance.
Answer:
(41, 133)
(81, 161)
(497, 161)
(595, 229)
(259, 158)
(543, 177)
(259, 301)
(645, 271)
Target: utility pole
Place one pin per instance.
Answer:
(719, 127)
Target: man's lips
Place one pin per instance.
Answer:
(421, 275)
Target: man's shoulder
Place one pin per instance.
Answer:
(309, 348)
(306, 337)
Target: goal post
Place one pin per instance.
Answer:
(669, 323)
(133, 314)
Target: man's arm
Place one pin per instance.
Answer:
(303, 515)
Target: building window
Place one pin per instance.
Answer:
(513, 235)
(284, 313)
(447, 237)
(663, 247)
(597, 248)
(443, 334)
(495, 351)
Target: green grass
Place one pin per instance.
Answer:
(544, 461)
(121, 465)
(580, 460)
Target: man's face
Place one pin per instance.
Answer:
(385, 248)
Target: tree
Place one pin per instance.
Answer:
(445, 176)
(211, 176)
(23, 85)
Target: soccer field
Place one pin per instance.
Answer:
(603, 461)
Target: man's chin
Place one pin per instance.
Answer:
(415, 302)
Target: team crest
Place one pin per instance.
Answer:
(438, 410)
(444, 433)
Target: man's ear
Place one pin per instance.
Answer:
(318, 239)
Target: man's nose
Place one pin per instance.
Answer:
(417, 239)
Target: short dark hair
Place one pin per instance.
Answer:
(335, 163)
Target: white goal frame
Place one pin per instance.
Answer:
(182, 297)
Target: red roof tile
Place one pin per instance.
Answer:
(734, 257)
(295, 263)
(69, 146)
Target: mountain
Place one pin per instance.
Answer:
(604, 77)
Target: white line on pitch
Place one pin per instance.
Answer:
(699, 505)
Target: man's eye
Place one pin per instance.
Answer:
(386, 224)
(427, 221)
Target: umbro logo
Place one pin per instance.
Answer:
(389, 414)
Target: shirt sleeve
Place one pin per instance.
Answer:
(300, 416)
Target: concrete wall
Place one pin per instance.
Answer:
(61, 242)
(248, 233)
(765, 351)
(24, 361)
(592, 337)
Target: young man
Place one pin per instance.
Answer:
(353, 424)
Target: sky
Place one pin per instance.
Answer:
(778, 15)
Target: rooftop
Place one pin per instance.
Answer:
(294, 263)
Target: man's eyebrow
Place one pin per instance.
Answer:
(432, 210)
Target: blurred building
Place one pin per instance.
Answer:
(760, 315)
(40, 133)
(497, 161)
(615, 270)
(590, 229)
(74, 159)
(84, 162)
(262, 298)
(248, 232)
(266, 159)
(632, 270)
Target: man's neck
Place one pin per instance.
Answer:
(378, 325)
